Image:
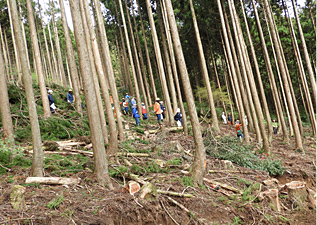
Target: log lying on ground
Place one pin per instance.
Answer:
(86, 153)
(178, 204)
(230, 171)
(132, 154)
(172, 193)
(53, 180)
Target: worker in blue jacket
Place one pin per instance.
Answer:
(136, 115)
(51, 101)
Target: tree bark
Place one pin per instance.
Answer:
(6, 62)
(198, 167)
(37, 162)
(4, 102)
(279, 51)
(170, 115)
(39, 66)
(109, 69)
(100, 160)
(204, 70)
(71, 60)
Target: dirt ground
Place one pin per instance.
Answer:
(88, 203)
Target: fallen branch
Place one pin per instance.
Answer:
(5, 168)
(175, 194)
(169, 214)
(131, 154)
(91, 154)
(31, 218)
(52, 180)
(178, 204)
(229, 171)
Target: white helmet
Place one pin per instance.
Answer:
(50, 91)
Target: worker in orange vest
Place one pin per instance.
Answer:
(158, 111)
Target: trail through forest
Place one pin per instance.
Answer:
(164, 167)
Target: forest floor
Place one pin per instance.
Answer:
(89, 203)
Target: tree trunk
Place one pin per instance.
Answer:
(4, 102)
(109, 69)
(199, 166)
(279, 52)
(17, 57)
(170, 115)
(204, 70)
(23, 33)
(100, 160)
(6, 62)
(56, 67)
(234, 75)
(257, 70)
(174, 66)
(167, 59)
(39, 66)
(71, 59)
(137, 62)
(94, 75)
(307, 60)
(37, 162)
(250, 77)
(9, 58)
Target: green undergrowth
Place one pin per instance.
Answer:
(131, 146)
(229, 148)
(12, 156)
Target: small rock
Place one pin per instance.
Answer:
(17, 197)
(133, 187)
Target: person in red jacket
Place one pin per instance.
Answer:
(158, 111)
(144, 111)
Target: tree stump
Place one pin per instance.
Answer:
(133, 187)
(298, 191)
(272, 195)
(17, 197)
(148, 191)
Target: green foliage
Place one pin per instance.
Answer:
(236, 221)
(55, 202)
(187, 181)
(241, 154)
(139, 130)
(118, 172)
(175, 161)
(12, 155)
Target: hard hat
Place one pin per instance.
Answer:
(50, 91)
(70, 90)
(157, 99)
(178, 110)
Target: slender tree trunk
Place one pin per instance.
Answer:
(39, 66)
(234, 75)
(71, 60)
(94, 74)
(4, 102)
(109, 69)
(137, 62)
(199, 164)
(122, 69)
(37, 162)
(9, 58)
(167, 59)
(279, 51)
(23, 32)
(126, 63)
(250, 77)
(170, 115)
(204, 70)
(228, 90)
(6, 62)
(257, 70)
(170, 46)
(17, 58)
(55, 68)
(68, 73)
(100, 160)
(306, 55)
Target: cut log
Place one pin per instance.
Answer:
(271, 182)
(86, 153)
(127, 162)
(133, 187)
(224, 186)
(17, 197)
(272, 194)
(135, 178)
(53, 180)
(132, 154)
(172, 193)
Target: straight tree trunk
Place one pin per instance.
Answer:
(23, 32)
(55, 68)
(170, 46)
(9, 58)
(109, 69)
(167, 60)
(37, 162)
(39, 66)
(103, 122)
(71, 60)
(250, 77)
(147, 54)
(126, 63)
(279, 52)
(306, 55)
(6, 62)
(100, 160)
(138, 43)
(257, 70)
(204, 70)
(17, 58)
(137, 61)
(234, 75)
(58, 50)
(169, 115)
(199, 164)
(4, 102)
